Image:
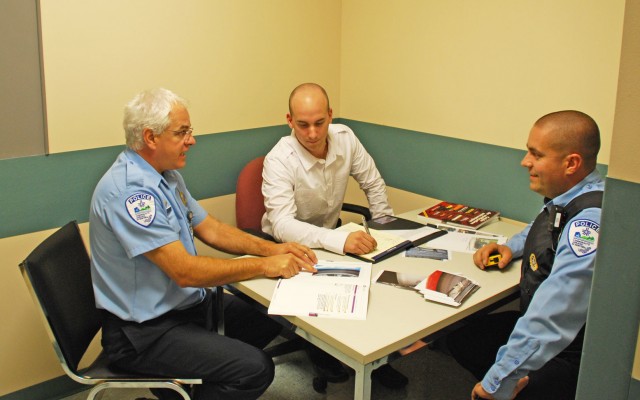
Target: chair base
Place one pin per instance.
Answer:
(137, 385)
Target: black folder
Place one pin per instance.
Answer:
(391, 222)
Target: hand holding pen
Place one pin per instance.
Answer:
(360, 242)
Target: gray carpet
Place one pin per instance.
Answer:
(432, 375)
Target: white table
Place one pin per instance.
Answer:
(396, 318)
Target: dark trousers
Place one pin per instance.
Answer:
(476, 345)
(231, 366)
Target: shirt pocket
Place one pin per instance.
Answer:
(310, 204)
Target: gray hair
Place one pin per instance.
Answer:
(148, 109)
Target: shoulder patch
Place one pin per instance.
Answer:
(583, 237)
(141, 208)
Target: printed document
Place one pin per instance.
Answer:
(339, 289)
(465, 240)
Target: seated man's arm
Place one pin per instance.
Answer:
(188, 270)
(232, 240)
(365, 172)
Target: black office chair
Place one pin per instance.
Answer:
(58, 276)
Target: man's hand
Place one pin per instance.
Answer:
(285, 266)
(359, 242)
(302, 252)
(481, 257)
(479, 392)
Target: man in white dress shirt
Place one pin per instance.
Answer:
(305, 179)
(306, 174)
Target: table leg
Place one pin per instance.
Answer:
(362, 389)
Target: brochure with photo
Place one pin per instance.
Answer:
(447, 288)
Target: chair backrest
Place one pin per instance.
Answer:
(249, 199)
(59, 275)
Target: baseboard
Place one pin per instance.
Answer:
(53, 389)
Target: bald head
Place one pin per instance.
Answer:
(307, 92)
(573, 132)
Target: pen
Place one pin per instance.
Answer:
(366, 226)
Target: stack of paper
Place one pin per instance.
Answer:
(446, 288)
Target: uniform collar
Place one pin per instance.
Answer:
(589, 181)
(144, 174)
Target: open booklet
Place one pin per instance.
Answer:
(392, 242)
(338, 289)
(442, 287)
(447, 288)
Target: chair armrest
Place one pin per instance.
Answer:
(354, 208)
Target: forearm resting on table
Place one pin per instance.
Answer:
(201, 271)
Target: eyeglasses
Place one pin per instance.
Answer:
(184, 134)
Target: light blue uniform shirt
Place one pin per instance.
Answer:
(558, 309)
(134, 210)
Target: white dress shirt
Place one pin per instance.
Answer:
(304, 194)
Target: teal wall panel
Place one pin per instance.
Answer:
(456, 170)
(43, 192)
(614, 311)
(215, 161)
(634, 390)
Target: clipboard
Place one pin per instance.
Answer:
(391, 222)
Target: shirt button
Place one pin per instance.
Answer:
(516, 362)
(493, 388)
(496, 381)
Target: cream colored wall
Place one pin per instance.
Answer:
(479, 70)
(235, 61)
(625, 163)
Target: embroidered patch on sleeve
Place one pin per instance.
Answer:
(583, 237)
(141, 208)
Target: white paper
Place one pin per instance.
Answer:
(338, 290)
(385, 239)
(413, 234)
(465, 240)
